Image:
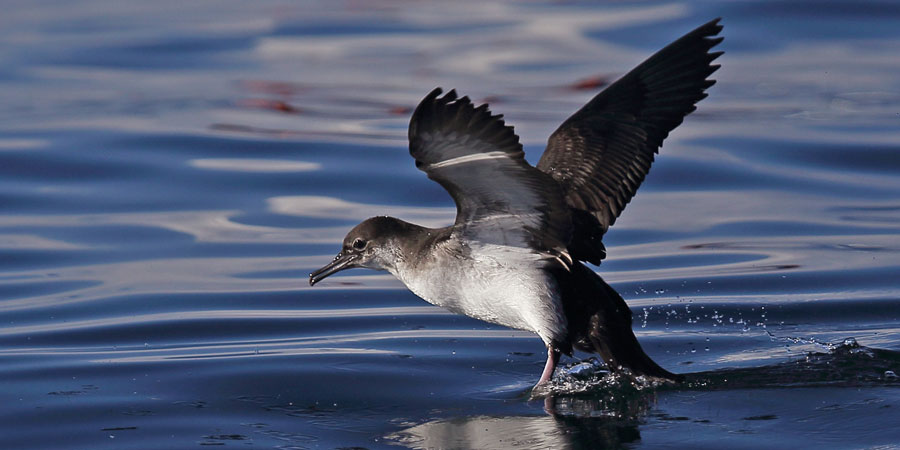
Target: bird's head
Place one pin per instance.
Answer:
(373, 244)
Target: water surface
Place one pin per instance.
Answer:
(171, 171)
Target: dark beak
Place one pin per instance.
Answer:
(341, 262)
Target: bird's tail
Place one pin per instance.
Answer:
(600, 322)
(611, 335)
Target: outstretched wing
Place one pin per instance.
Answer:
(602, 153)
(477, 158)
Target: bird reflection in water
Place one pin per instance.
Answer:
(585, 406)
(573, 421)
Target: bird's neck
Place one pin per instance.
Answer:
(415, 245)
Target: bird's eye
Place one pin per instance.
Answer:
(359, 244)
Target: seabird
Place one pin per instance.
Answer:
(515, 254)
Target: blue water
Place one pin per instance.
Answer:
(171, 171)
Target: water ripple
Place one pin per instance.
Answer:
(172, 172)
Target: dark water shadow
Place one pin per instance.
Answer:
(588, 407)
(519, 432)
(846, 364)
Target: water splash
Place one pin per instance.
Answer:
(589, 389)
(844, 363)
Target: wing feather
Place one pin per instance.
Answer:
(601, 154)
(500, 198)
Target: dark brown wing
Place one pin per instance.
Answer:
(500, 198)
(602, 153)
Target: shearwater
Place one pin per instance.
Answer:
(514, 255)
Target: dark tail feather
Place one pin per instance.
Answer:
(619, 348)
(613, 338)
(600, 321)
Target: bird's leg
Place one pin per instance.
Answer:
(552, 359)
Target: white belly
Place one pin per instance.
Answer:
(501, 285)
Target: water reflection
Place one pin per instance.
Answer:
(335, 208)
(502, 432)
(590, 408)
(585, 405)
(254, 165)
(202, 226)
(168, 178)
(846, 364)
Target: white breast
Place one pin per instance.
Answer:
(498, 284)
